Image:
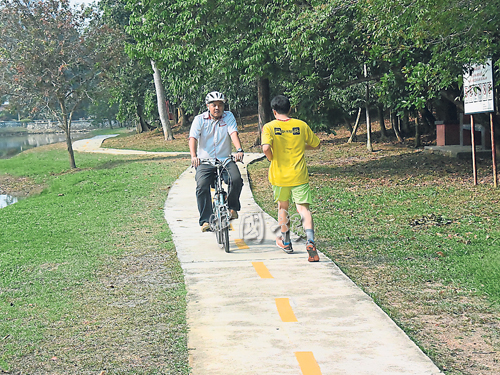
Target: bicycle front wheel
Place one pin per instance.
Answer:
(225, 238)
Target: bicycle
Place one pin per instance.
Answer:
(219, 221)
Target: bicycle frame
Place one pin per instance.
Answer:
(219, 222)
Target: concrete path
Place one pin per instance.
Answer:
(260, 311)
(94, 145)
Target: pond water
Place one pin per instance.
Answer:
(5, 200)
(14, 144)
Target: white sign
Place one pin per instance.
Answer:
(478, 89)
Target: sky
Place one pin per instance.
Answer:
(75, 2)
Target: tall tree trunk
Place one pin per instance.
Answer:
(66, 124)
(367, 109)
(395, 126)
(356, 125)
(348, 125)
(142, 126)
(405, 124)
(264, 101)
(418, 142)
(383, 130)
(162, 103)
(184, 123)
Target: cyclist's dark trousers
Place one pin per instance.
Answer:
(205, 176)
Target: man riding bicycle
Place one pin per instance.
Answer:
(210, 138)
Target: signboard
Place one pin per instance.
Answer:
(478, 89)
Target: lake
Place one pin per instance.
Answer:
(14, 144)
(5, 200)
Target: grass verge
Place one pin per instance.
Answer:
(89, 276)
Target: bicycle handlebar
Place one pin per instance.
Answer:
(216, 162)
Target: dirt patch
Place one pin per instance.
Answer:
(19, 186)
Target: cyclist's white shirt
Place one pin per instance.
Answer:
(214, 140)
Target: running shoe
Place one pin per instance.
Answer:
(286, 248)
(313, 253)
(206, 227)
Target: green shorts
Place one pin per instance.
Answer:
(299, 194)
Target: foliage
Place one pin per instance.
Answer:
(51, 58)
(128, 81)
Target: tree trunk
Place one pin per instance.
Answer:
(405, 124)
(66, 124)
(264, 101)
(356, 125)
(383, 130)
(176, 115)
(417, 134)
(162, 103)
(395, 126)
(142, 126)
(367, 109)
(184, 123)
(348, 125)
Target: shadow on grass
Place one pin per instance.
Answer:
(116, 163)
(409, 166)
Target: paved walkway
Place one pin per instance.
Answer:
(260, 311)
(94, 145)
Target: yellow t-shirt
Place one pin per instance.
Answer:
(288, 140)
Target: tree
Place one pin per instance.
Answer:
(128, 81)
(51, 58)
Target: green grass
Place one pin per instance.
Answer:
(61, 251)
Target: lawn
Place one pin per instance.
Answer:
(89, 276)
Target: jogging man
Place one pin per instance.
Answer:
(210, 137)
(284, 141)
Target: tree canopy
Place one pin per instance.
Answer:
(51, 58)
(314, 51)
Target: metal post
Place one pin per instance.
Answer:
(473, 141)
(493, 151)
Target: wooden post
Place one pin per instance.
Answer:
(493, 151)
(473, 141)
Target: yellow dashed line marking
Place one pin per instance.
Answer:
(307, 363)
(285, 310)
(241, 244)
(262, 270)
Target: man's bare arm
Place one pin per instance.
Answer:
(193, 143)
(268, 151)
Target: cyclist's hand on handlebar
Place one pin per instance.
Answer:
(239, 156)
(195, 161)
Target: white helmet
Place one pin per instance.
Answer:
(215, 96)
